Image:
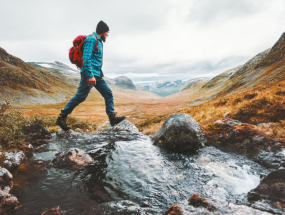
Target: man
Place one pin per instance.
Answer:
(92, 72)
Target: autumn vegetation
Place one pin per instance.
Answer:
(12, 121)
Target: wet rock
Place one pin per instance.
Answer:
(180, 133)
(8, 203)
(200, 205)
(246, 139)
(68, 134)
(125, 125)
(99, 129)
(12, 160)
(199, 201)
(61, 132)
(78, 130)
(272, 187)
(173, 210)
(119, 207)
(6, 182)
(42, 148)
(243, 209)
(52, 211)
(28, 150)
(73, 157)
(36, 134)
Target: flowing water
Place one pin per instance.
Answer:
(134, 169)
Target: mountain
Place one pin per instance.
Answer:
(265, 68)
(64, 69)
(166, 88)
(194, 83)
(54, 82)
(121, 81)
(22, 83)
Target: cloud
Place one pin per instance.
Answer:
(155, 39)
(207, 12)
(177, 71)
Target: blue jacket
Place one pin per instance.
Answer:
(92, 60)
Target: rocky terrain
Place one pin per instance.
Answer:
(121, 170)
(231, 164)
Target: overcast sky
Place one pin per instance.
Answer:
(149, 40)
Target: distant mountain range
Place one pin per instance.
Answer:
(166, 88)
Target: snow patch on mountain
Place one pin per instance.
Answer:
(166, 88)
(61, 67)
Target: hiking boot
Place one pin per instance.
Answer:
(61, 122)
(114, 119)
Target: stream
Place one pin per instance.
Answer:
(130, 167)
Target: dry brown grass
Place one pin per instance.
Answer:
(259, 105)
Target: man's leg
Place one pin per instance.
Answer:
(80, 96)
(106, 92)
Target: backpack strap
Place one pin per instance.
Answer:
(96, 47)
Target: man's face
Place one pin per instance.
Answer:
(104, 36)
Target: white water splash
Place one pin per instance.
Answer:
(229, 177)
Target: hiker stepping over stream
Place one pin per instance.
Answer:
(90, 59)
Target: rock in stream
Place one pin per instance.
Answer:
(180, 133)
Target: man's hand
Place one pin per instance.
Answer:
(92, 81)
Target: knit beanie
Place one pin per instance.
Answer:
(102, 27)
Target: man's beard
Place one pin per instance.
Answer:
(103, 38)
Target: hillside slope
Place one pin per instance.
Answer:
(22, 83)
(263, 69)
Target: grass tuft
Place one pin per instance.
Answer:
(12, 121)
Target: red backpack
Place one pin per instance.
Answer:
(76, 52)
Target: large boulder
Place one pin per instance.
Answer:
(180, 133)
(73, 158)
(125, 125)
(272, 187)
(9, 204)
(36, 134)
